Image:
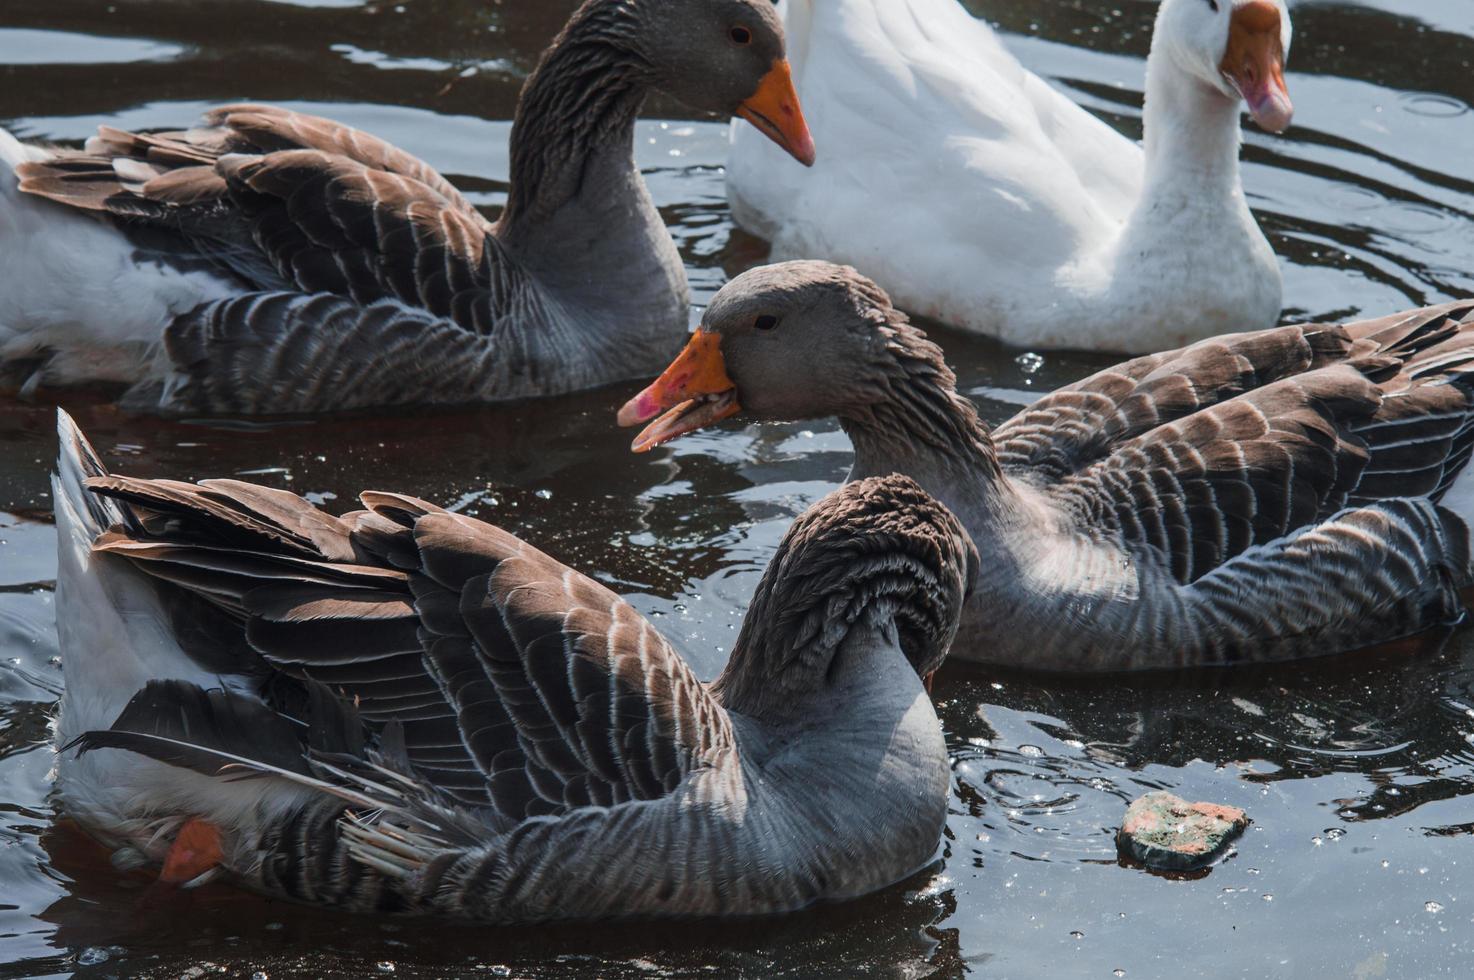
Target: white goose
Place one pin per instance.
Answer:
(976, 194)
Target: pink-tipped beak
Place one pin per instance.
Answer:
(693, 392)
(1254, 63)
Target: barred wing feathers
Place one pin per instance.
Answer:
(1195, 456)
(520, 685)
(280, 199)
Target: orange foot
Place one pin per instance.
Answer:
(196, 850)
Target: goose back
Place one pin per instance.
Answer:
(1253, 497)
(443, 719)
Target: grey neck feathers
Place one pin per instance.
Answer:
(868, 567)
(911, 419)
(577, 111)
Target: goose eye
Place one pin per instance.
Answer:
(740, 35)
(1213, 5)
(766, 322)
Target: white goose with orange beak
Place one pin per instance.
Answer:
(977, 194)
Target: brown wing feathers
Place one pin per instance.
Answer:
(602, 707)
(1198, 454)
(333, 209)
(1082, 423)
(519, 683)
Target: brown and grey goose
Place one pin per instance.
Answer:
(1253, 497)
(441, 719)
(272, 261)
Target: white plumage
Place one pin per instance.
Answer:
(978, 195)
(76, 295)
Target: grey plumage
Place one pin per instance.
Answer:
(362, 277)
(510, 740)
(1253, 497)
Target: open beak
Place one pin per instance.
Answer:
(775, 111)
(1254, 64)
(693, 392)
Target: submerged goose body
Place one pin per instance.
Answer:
(1254, 497)
(978, 195)
(270, 261)
(437, 718)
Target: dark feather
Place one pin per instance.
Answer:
(181, 724)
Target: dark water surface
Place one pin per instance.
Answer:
(1358, 772)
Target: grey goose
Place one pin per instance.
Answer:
(1253, 497)
(403, 709)
(270, 261)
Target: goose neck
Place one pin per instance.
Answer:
(1191, 132)
(924, 428)
(574, 128)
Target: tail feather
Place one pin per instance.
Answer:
(13, 152)
(88, 514)
(119, 637)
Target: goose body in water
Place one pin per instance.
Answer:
(275, 262)
(1253, 497)
(978, 195)
(438, 718)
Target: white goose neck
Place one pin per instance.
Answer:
(1190, 131)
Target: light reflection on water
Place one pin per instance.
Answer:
(1357, 773)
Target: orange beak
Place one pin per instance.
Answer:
(775, 111)
(1254, 63)
(693, 392)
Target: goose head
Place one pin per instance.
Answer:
(727, 57)
(795, 340)
(1237, 47)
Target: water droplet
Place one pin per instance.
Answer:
(1335, 833)
(543, 494)
(1316, 841)
(384, 966)
(1077, 934)
(1432, 907)
(1386, 864)
(1118, 972)
(1267, 897)
(274, 926)
(260, 975)
(1422, 871)
(1029, 363)
(1032, 751)
(91, 956)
